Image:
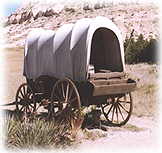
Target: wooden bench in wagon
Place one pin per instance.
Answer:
(80, 64)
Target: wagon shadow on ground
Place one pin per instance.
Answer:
(89, 123)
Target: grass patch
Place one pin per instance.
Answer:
(38, 134)
(147, 88)
(146, 97)
(94, 134)
(132, 128)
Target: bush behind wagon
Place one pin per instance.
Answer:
(141, 50)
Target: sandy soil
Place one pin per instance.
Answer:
(143, 136)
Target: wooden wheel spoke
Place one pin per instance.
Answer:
(22, 94)
(31, 106)
(57, 97)
(70, 94)
(69, 112)
(109, 110)
(27, 108)
(123, 108)
(61, 97)
(113, 114)
(20, 97)
(120, 112)
(105, 106)
(67, 91)
(72, 100)
(29, 94)
(124, 102)
(117, 115)
(22, 107)
(24, 90)
(63, 90)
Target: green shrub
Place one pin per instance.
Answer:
(141, 50)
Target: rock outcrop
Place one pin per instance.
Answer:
(49, 10)
(144, 18)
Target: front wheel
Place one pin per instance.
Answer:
(65, 103)
(118, 110)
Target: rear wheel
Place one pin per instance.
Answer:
(65, 103)
(25, 102)
(118, 110)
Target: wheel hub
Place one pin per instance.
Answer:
(24, 101)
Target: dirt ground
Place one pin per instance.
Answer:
(141, 136)
(142, 133)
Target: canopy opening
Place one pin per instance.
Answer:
(105, 51)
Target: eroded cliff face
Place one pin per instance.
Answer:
(144, 18)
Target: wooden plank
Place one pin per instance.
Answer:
(106, 75)
(104, 71)
(108, 82)
(114, 89)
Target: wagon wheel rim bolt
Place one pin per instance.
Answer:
(66, 94)
(25, 101)
(119, 110)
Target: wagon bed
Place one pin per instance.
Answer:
(111, 83)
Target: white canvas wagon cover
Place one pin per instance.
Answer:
(70, 50)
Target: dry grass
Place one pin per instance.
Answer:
(13, 72)
(146, 97)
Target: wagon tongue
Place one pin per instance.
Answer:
(13, 103)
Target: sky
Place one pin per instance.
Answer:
(9, 6)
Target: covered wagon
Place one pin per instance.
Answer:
(78, 65)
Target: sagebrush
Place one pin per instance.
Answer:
(37, 134)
